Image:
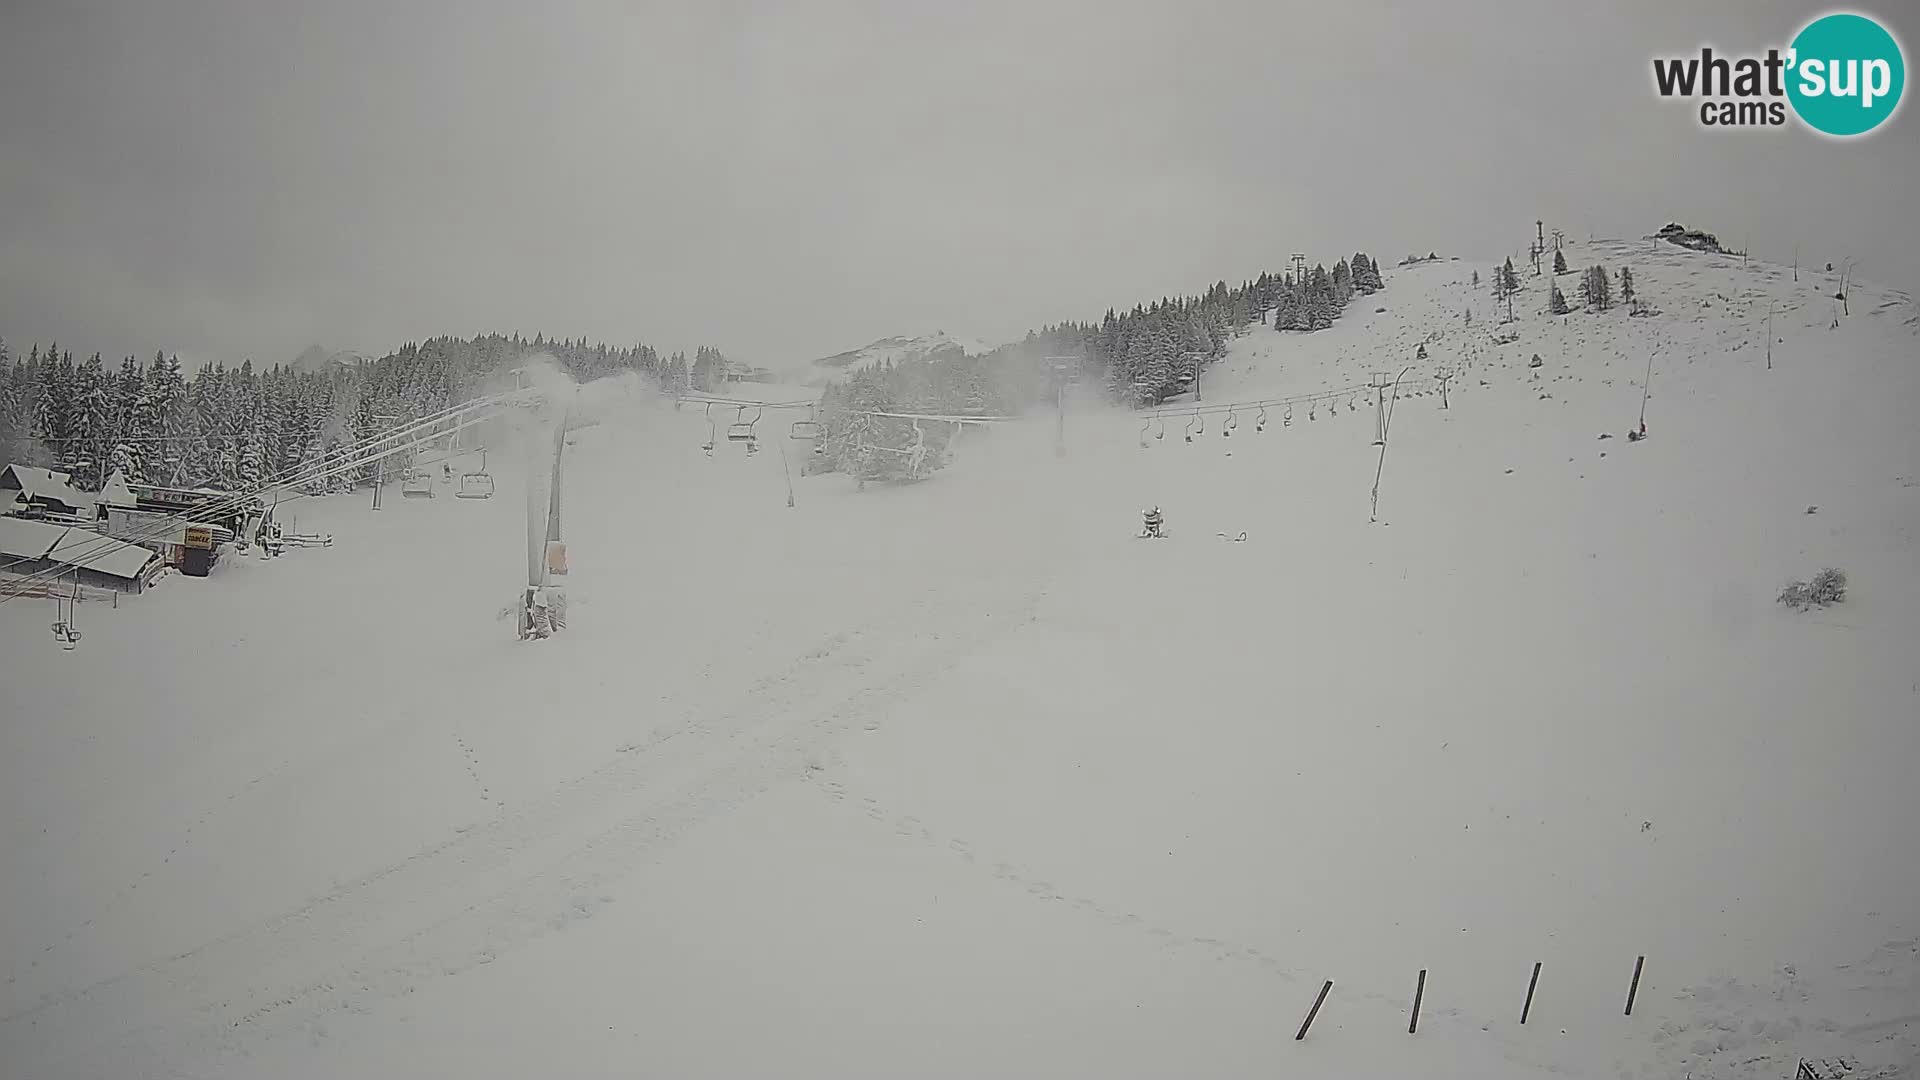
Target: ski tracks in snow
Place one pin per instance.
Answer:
(1117, 913)
(527, 872)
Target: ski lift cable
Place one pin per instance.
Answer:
(1279, 402)
(951, 419)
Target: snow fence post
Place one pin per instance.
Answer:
(1313, 1012)
(1531, 983)
(1635, 987)
(1419, 991)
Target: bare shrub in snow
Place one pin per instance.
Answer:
(1829, 586)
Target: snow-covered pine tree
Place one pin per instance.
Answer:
(1557, 303)
(124, 461)
(1599, 292)
(1321, 308)
(94, 424)
(1374, 282)
(1559, 261)
(363, 430)
(1626, 287)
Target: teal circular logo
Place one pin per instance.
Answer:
(1846, 76)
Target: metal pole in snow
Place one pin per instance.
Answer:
(1646, 387)
(536, 517)
(1313, 1012)
(1386, 420)
(1635, 988)
(1531, 983)
(1419, 991)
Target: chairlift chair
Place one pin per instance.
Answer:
(418, 485)
(1260, 422)
(741, 430)
(1232, 421)
(810, 430)
(477, 484)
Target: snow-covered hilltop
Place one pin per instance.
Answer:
(935, 346)
(960, 778)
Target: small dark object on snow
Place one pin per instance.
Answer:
(1535, 362)
(1152, 524)
(1606, 434)
(1825, 1069)
(1812, 509)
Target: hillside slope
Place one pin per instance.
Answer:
(961, 779)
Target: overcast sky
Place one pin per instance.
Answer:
(789, 179)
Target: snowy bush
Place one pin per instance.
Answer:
(1829, 586)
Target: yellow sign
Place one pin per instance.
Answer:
(199, 536)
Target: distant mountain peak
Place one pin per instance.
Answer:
(899, 349)
(317, 360)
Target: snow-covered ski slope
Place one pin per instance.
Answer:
(960, 779)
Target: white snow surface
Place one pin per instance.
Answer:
(960, 779)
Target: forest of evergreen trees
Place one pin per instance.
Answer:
(233, 428)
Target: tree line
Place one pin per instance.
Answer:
(233, 428)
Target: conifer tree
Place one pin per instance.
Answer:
(1559, 261)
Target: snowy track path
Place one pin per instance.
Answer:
(1225, 950)
(531, 870)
